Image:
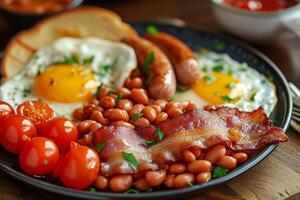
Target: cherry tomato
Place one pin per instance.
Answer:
(80, 167)
(61, 130)
(38, 112)
(38, 156)
(15, 131)
(5, 109)
(57, 169)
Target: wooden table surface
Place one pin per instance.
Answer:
(277, 177)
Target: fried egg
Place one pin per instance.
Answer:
(227, 82)
(67, 73)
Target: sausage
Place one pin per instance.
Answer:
(161, 77)
(182, 57)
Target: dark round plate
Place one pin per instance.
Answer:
(196, 39)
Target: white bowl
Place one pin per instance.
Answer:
(257, 27)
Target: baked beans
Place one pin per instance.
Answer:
(120, 183)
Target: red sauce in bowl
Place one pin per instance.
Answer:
(262, 5)
(35, 6)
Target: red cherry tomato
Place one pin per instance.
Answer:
(38, 112)
(80, 167)
(61, 130)
(5, 109)
(57, 169)
(38, 156)
(15, 131)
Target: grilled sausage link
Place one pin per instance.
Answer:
(160, 74)
(182, 57)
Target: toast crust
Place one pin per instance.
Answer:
(86, 21)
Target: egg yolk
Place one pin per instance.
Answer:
(66, 84)
(216, 88)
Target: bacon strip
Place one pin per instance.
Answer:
(239, 131)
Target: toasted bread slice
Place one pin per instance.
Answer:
(82, 22)
(12, 66)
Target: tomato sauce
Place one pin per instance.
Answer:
(35, 6)
(262, 5)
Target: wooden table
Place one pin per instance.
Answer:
(277, 177)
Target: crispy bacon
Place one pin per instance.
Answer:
(115, 140)
(239, 131)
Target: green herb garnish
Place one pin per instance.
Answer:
(180, 88)
(230, 85)
(273, 121)
(46, 162)
(252, 97)
(226, 98)
(26, 91)
(131, 160)
(270, 78)
(132, 191)
(173, 98)
(92, 189)
(99, 88)
(189, 184)
(218, 46)
(152, 30)
(118, 98)
(208, 79)
(150, 143)
(71, 60)
(159, 134)
(41, 69)
(229, 71)
(148, 62)
(219, 172)
(205, 69)
(136, 116)
(218, 68)
(100, 146)
(88, 60)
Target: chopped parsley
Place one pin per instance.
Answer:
(41, 69)
(180, 88)
(105, 68)
(218, 68)
(227, 98)
(150, 143)
(118, 98)
(92, 189)
(205, 69)
(173, 98)
(152, 30)
(100, 146)
(131, 160)
(136, 116)
(46, 162)
(219, 172)
(273, 121)
(243, 69)
(132, 191)
(229, 71)
(159, 134)
(252, 97)
(148, 62)
(270, 78)
(230, 85)
(218, 46)
(26, 91)
(208, 79)
(99, 88)
(71, 60)
(189, 184)
(88, 60)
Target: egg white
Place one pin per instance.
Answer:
(250, 82)
(119, 56)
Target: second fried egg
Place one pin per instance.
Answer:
(225, 81)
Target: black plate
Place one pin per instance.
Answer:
(196, 39)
